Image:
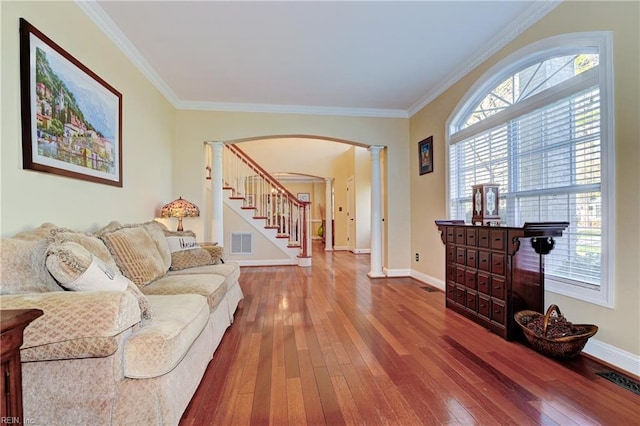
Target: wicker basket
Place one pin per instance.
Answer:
(559, 347)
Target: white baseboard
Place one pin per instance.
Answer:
(393, 273)
(340, 248)
(603, 351)
(428, 279)
(610, 354)
(266, 262)
(361, 251)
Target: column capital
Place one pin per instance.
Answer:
(214, 144)
(328, 180)
(375, 149)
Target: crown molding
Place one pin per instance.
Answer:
(97, 14)
(532, 15)
(103, 21)
(292, 109)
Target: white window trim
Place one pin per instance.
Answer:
(602, 41)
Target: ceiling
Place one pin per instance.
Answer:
(368, 58)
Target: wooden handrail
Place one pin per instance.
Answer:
(301, 222)
(262, 172)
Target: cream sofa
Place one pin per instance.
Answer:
(128, 341)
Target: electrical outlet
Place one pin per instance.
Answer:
(417, 257)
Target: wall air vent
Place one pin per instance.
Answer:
(241, 243)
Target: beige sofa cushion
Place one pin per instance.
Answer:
(74, 324)
(211, 286)
(229, 270)
(136, 254)
(157, 347)
(22, 263)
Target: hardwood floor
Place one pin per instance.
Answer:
(328, 345)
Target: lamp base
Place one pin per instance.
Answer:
(180, 229)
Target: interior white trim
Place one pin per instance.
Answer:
(103, 21)
(428, 279)
(532, 15)
(291, 109)
(266, 262)
(395, 273)
(614, 356)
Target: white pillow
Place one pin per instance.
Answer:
(98, 277)
(78, 270)
(182, 243)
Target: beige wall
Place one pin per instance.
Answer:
(30, 198)
(620, 326)
(194, 127)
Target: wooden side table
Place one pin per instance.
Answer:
(13, 322)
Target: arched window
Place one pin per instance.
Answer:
(540, 124)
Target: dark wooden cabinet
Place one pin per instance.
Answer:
(13, 324)
(494, 272)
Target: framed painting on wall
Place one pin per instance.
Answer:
(71, 118)
(425, 155)
(303, 196)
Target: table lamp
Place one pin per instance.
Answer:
(180, 208)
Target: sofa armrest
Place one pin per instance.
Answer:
(215, 251)
(72, 316)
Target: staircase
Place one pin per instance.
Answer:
(267, 205)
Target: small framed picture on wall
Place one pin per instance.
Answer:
(304, 196)
(425, 155)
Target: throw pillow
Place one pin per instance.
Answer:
(185, 251)
(91, 243)
(76, 269)
(136, 254)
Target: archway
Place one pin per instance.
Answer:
(332, 160)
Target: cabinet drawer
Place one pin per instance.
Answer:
(470, 278)
(451, 291)
(472, 237)
(459, 235)
(472, 258)
(472, 299)
(483, 283)
(483, 238)
(498, 313)
(497, 288)
(483, 260)
(451, 272)
(450, 234)
(451, 253)
(484, 306)
(460, 295)
(460, 256)
(497, 263)
(497, 239)
(460, 275)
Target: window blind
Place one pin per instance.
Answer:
(547, 160)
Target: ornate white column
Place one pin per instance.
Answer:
(376, 213)
(328, 213)
(217, 206)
